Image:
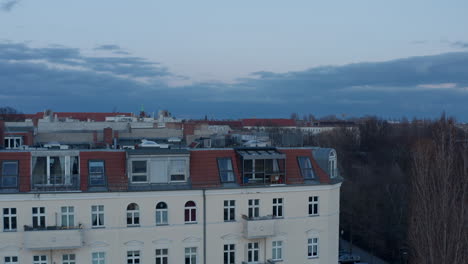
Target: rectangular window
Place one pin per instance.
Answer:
(278, 207)
(9, 219)
(162, 256)
(97, 215)
(40, 259)
(96, 173)
(229, 210)
(191, 255)
(252, 252)
(229, 254)
(38, 217)
(68, 216)
(254, 208)
(133, 257)
(98, 258)
(306, 167)
(13, 142)
(226, 173)
(9, 174)
(177, 170)
(313, 205)
(68, 259)
(139, 171)
(312, 247)
(55, 170)
(277, 253)
(11, 260)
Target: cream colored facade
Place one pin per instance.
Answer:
(116, 238)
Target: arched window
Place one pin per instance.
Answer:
(332, 164)
(161, 213)
(133, 215)
(190, 212)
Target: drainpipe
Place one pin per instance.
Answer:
(204, 227)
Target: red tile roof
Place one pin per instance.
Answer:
(268, 122)
(204, 166)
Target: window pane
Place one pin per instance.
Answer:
(139, 166)
(10, 169)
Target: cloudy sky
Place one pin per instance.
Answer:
(230, 59)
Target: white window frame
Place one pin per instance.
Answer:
(191, 253)
(162, 254)
(40, 259)
(133, 215)
(39, 218)
(229, 211)
(67, 214)
(254, 208)
(190, 209)
(332, 164)
(98, 211)
(68, 259)
(161, 213)
(313, 247)
(4, 175)
(252, 248)
(171, 170)
(14, 142)
(313, 208)
(278, 207)
(68, 169)
(146, 173)
(277, 250)
(9, 215)
(98, 258)
(133, 257)
(11, 260)
(229, 253)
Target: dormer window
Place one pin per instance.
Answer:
(332, 164)
(177, 170)
(260, 166)
(158, 169)
(226, 173)
(139, 171)
(306, 167)
(55, 171)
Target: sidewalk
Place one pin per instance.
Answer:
(365, 256)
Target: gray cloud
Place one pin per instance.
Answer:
(64, 57)
(108, 47)
(460, 44)
(8, 5)
(64, 79)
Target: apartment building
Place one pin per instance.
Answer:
(107, 206)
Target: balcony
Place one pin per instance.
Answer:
(52, 237)
(56, 183)
(259, 227)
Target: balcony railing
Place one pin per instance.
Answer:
(259, 227)
(56, 183)
(276, 178)
(52, 237)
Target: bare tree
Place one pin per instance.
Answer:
(438, 215)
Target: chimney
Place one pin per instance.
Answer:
(108, 136)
